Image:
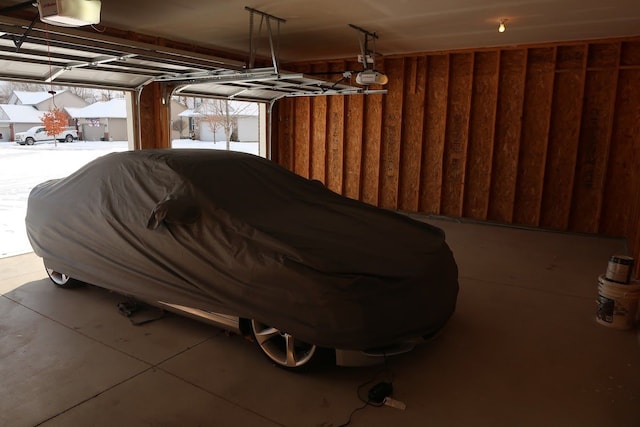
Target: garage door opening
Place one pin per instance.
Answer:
(103, 121)
(98, 118)
(218, 124)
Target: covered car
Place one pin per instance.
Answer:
(236, 234)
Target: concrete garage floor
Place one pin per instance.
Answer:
(523, 349)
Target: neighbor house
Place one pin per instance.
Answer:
(24, 109)
(45, 100)
(205, 122)
(107, 120)
(101, 121)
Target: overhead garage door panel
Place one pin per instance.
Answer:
(68, 56)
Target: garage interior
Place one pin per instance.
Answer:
(521, 145)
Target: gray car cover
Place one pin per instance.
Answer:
(238, 234)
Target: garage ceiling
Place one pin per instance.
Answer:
(316, 30)
(305, 31)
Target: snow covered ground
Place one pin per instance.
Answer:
(22, 167)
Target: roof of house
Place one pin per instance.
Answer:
(21, 113)
(33, 98)
(113, 109)
(190, 113)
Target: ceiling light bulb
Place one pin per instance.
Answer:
(501, 27)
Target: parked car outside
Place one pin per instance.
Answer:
(39, 134)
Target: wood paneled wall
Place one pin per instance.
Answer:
(543, 136)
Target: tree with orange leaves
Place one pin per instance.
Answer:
(54, 122)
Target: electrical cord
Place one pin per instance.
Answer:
(376, 394)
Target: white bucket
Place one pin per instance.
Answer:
(617, 304)
(619, 268)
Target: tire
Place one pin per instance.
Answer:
(68, 138)
(30, 141)
(62, 280)
(283, 349)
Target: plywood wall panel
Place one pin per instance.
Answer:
(634, 238)
(484, 101)
(507, 136)
(412, 133)
(353, 146)
(541, 135)
(299, 146)
(633, 222)
(335, 139)
(435, 127)
(286, 132)
(391, 134)
(623, 180)
(630, 58)
(572, 57)
(457, 133)
(319, 133)
(603, 55)
(630, 54)
(593, 150)
(371, 148)
(301, 113)
(562, 151)
(318, 152)
(534, 135)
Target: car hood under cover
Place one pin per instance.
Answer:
(234, 233)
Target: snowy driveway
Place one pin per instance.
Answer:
(24, 166)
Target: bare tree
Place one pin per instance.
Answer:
(187, 101)
(222, 114)
(7, 88)
(178, 126)
(216, 114)
(108, 95)
(83, 92)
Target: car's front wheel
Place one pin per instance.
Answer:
(30, 141)
(282, 348)
(68, 138)
(61, 279)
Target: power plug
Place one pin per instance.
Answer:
(389, 401)
(379, 392)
